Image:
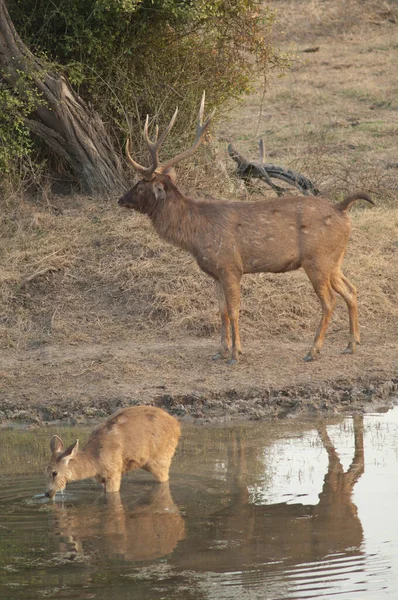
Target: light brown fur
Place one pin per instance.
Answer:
(139, 437)
(229, 239)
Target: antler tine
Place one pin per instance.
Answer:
(154, 145)
(168, 128)
(262, 150)
(155, 139)
(145, 171)
(200, 132)
(201, 109)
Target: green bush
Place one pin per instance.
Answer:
(15, 106)
(132, 57)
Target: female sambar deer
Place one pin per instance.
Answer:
(137, 437)
(229, 239)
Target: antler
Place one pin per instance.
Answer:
(200, 132)
(154, 145)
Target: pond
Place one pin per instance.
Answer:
(273, 510)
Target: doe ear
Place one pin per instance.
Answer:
(71, 451)
(56, 444)
(159, 191)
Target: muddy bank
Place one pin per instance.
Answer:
(225, 407)
(89, 381)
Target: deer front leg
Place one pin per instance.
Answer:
(112, 484)
(231, 287)
(225, 324)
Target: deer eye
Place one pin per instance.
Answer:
(54, 474)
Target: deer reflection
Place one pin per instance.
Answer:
(148, 529)
(243, 533)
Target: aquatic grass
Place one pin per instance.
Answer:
(26, 451)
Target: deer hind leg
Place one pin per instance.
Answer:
(325, 294)
(225, 347)
(348, 292)
(231, 287)
(159, 467)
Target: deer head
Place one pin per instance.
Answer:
(156, 177)
(58, 471)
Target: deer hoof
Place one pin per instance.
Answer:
(222, 354)
(349, 350)
(310, 357)
(232, 362)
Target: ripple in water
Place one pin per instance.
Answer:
(282, 511)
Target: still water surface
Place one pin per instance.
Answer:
(274, 511)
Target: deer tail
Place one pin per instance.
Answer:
(348, 200)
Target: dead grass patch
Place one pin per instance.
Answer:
(307, 20)
(93, 273)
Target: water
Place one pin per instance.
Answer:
(274, 511)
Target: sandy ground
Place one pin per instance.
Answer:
(89, 381)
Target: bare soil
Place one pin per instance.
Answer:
(96, 312)
(90, 381)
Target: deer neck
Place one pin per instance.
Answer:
(82, 467)
(176, 221)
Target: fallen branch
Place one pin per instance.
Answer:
(250, 169)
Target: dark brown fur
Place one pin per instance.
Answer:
(229, 239)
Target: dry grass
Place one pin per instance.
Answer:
(75, 270)
(91, 273)
(309, 20)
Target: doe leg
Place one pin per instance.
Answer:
(159, 468)
(325, 294)
(112, 484)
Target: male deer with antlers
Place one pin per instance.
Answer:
(229, 239)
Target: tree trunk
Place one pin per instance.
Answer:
(64, 122)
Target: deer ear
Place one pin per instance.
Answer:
(56, 444)
(159, 191)
(171, 174)
(70, 452)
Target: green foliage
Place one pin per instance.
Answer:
(15, 105)
(133, 57)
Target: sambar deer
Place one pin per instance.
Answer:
(137, 437)
(229, 239)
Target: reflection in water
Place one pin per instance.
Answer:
(247, 537)
(265, 511)
(337, 527)
(147, 530)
